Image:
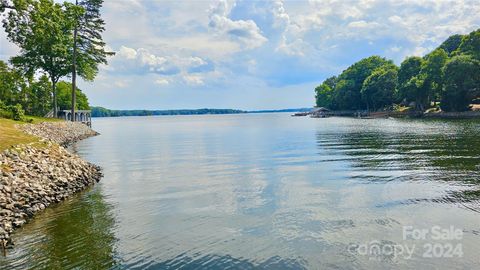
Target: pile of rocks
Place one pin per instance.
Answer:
(63, 133)
(31, 178)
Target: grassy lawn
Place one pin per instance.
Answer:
(36, 119)
(9, 135)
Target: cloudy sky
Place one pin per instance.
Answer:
(255, 54)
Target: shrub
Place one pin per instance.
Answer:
(17, 112)
(4, 110)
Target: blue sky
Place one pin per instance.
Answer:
(254, 54)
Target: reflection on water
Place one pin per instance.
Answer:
(414, 151)
(262, 191)
(74, 234)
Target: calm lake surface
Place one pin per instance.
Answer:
(265, 191)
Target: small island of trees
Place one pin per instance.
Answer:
(448, 78)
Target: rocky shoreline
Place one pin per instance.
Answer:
(33, 177)
(62, 133)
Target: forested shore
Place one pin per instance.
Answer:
(446, 79)
(55, 41)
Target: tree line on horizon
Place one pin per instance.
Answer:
(103, 112)
(448, 77)
(56, 40)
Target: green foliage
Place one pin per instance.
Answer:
(347, 90)
(450, 73)
(409, 69)
(33, 95)
(379, 89)
(4, 113)
(471, 45)
(12, 84)
(462, 83)
(90, 47)
(102, 112)
(18, 114)
(65, 97)
(432, 71)
(14, 112)
(451, 44)
(43, 33)
(324, 92)
(40, 101)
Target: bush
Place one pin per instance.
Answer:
(18, 114)
(14, 112)
(4, 110)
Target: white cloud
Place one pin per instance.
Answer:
(121, 83)
(161, 82)
(193, 80)
(244, 31)
(363, 24)
(127, 53)
(208, 44)
(395, 19)
(138, 61)
(395, 49)
(281, 17)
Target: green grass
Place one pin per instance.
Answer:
(10, 135)
(37, 119)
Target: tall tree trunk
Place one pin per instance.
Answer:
(74, 69)
(54, 90)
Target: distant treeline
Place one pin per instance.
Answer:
(282, 110)
(448, 77)
(103, 112)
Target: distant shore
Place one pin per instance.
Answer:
(394, 114)
(42, 172)
(103, 112)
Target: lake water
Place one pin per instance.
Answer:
(266, 191)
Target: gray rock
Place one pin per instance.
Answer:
(39, 177)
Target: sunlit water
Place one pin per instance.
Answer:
(264, 191)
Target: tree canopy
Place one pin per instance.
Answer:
(34, 95)
(55, 39)
(375, 83)
(43, 33)
(378, 90)
(462, 83)
(65, 97)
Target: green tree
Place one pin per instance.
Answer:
(451, 44)
(347, 91)
(43, 33)
(11, 84)
(471, 44)
(4, 4)
(379, 89)
(13, 4)
(409, 68)
(323, 95)
(41, 91)
(462, 83)
(324, 92)
(88, 45)
(33, 95)
(65, 97)
(432, 70)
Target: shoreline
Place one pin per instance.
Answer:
(395, 114)
(36, 175)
